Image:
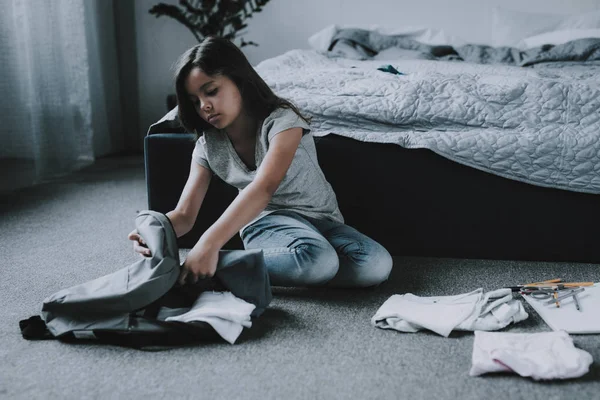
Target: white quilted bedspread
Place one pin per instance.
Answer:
(540, 126)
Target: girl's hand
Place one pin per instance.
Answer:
(139, 244)
(201, 263)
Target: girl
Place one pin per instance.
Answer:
(262, 145)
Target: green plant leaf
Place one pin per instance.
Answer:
(249, 43)
(212, 17)
(208, 4)
(168, 10)
(191, 8)
(165, 9)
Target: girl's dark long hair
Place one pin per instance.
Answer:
(218, 56)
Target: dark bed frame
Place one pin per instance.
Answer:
(414, 202)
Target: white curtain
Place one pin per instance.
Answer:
(52, 102)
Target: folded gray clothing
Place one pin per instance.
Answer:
(106, 302)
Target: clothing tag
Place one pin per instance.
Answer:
(203, 140)
(84, 335)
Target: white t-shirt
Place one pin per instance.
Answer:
(304, 188)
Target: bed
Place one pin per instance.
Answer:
(453, 151)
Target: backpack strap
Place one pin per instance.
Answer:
(34, 328)
(159, 335)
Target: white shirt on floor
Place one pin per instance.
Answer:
(443, 314)
(544, 355)
(226, 313)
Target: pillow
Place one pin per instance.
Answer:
(321, 40)
(589, 20)
(347, 49)
(167, 124)
(395, 53)
(509, 27)
(558, 37)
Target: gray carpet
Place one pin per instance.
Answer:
(311, 343)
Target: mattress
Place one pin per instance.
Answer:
(539, 125)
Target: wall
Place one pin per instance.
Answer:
(287, 24)
(159, 41)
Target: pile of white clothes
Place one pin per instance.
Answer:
(443, 314)
(545, 355)
(226, 313)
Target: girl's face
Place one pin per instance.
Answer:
(216, 98)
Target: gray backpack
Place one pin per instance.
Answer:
(123, 307)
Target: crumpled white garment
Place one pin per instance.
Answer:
(544, 355)
(443, 314)
(226, 313)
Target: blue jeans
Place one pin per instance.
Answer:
(303, 251)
